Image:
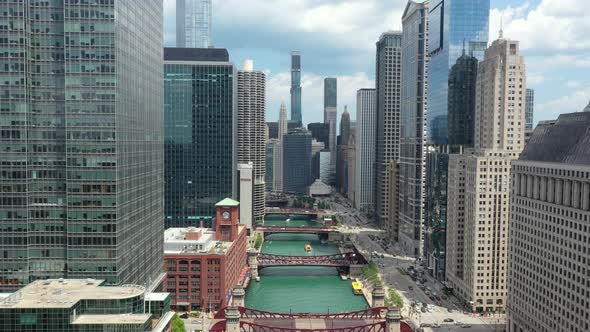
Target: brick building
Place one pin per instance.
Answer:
(203, 264)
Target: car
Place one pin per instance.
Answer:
(465, 326)
(423, 309)
(450, 310)
(196, 321)
(436, 325)
(448, 320)
(184, 316)
(411, 288)
(458, 322)
(425, 325)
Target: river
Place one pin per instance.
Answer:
(304, 288)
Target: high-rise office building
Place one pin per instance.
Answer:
(366, 116)
(200, 116)
(530, 109)
(331, 114)
(345, 126)
(330, 92)
(387, 119)
(392, 226)
(452, 24)
(351, 167)
(548, 281)
(320, 132)
(278, 151)
(461, 101)
(480, 181)
(413, 127)
(273, 129)
(81, 181)
(193, 23)
(297, 161)
(247, 194)
(251, 130)
(271, 147)
(296, 89)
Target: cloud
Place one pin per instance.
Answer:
(278, 88)
(572, 102)
(553, 25)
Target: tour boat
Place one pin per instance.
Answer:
(344, 277)
(307, 247)
(357, 288)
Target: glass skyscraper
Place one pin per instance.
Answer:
(81, 145)
(193, 23)
(296, 88)
(452, 24)
(297, 161)
(330, 92)
(200, 116)
(530, 109)
(461, 102)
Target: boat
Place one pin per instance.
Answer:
(357, 288)
(344, 277)
(307, 248)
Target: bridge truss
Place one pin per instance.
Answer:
(336, 260)
(373, 327)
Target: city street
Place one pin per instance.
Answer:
(393, 264)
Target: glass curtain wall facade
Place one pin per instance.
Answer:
(81, 141)
(200, 116)
(193, 23)
(413, 127)
(454, 25)
(530, 109)
(330, 92)
(461, 102)
(296, 89)
(297, 162)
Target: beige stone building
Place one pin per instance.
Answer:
(479, 182)
(549, 247)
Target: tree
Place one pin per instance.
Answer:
(177, 324)
(258, 241)
(394, 299)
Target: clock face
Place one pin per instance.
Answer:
(225, 215)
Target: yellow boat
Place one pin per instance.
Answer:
(307, 247)
(357, 288)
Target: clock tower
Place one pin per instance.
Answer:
(227, 219)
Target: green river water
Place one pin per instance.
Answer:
(300, 289)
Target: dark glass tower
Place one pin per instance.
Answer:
(296, 88)
(200, 126)
(452, 24)
(297, 161)
(330, 92)
(461, 101)
(81, 150)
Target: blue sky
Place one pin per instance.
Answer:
(337, 38)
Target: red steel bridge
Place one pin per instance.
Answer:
(337, 260)
(253, 320)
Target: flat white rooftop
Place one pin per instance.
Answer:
(64, 293)
(111, 319)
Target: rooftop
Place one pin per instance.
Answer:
(192, 240)
(196, 54)
(111, 319)
(563, 141)
(227, 202)
(64, 293)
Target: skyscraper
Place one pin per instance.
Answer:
(530, 109)
(413, 125)
(279, 146)
(452, 24)
(193, 23)
(549, 231)
(330, 92)
(251, 130)
(81, 181)
(331, 115)
(271, 147)
(200, 112)
(386, 123)
(320, 132)
(297, 161)
(461, 101)
(296, 88)
(345, 126)
(480, 181)
(366, 115)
